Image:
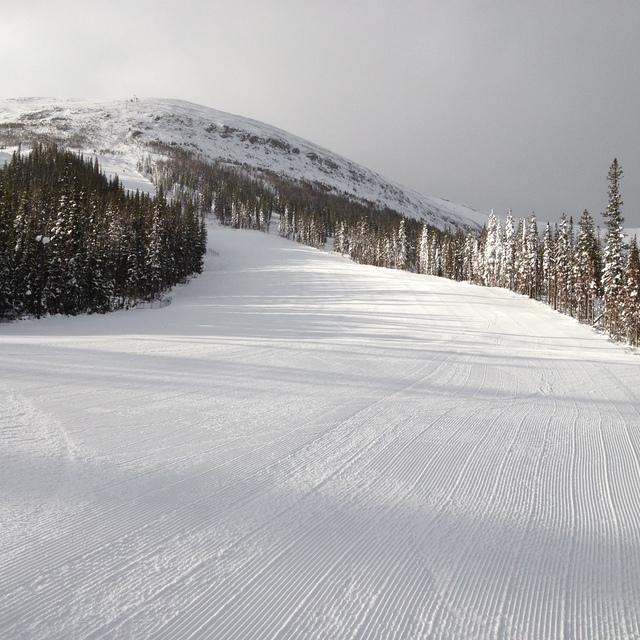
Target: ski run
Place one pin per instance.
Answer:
(303, 447)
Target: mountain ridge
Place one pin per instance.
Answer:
(137, 129)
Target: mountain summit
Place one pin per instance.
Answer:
(137, 130)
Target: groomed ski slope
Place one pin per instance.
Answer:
(304, 447)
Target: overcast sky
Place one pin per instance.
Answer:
(491, 104)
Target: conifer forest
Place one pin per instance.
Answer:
(73, 241)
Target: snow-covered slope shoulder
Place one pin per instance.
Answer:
(136, 129)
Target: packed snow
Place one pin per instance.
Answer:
(303, 447)
(131, 130)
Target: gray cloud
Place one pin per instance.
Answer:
(492, 104)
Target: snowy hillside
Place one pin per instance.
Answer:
(123, 132)
(303, 447)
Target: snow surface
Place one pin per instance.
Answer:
(304, 447)
(126, 129)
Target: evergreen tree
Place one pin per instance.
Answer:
(631, 306)
(155, 267)
(586, 268)
(530, 260)
(549, 268)
(508, 253)
(492, 251)
(564, 266)
(470, 257)
(520, 271)
(340, 243)
(613, 258)
(400, 257)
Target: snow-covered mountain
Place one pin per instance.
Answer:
(123, 132)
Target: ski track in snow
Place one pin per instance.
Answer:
(303, 447)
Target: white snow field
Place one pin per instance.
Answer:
(304, 447)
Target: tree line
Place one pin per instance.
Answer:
(74, 241)
(571, 268)
(307, 212)
(574, 270)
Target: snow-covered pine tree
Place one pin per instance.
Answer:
(116, 250)
(491, 250)
(564, 266)
(284, 226)
(63, 250)
(423, 249)
(384, 258)
(25, 260)
(586, 268)
(361, 241)
(532, 258)
(98, 287)
(400, 257)
(631, 298)
(435, 254)
(508, 253)
(155, 249)
(519, 259)
(448, 259)
(533, 244)
(341, 243)
(7, 255)
(548, 285)
(469, 259)
(613, 256)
